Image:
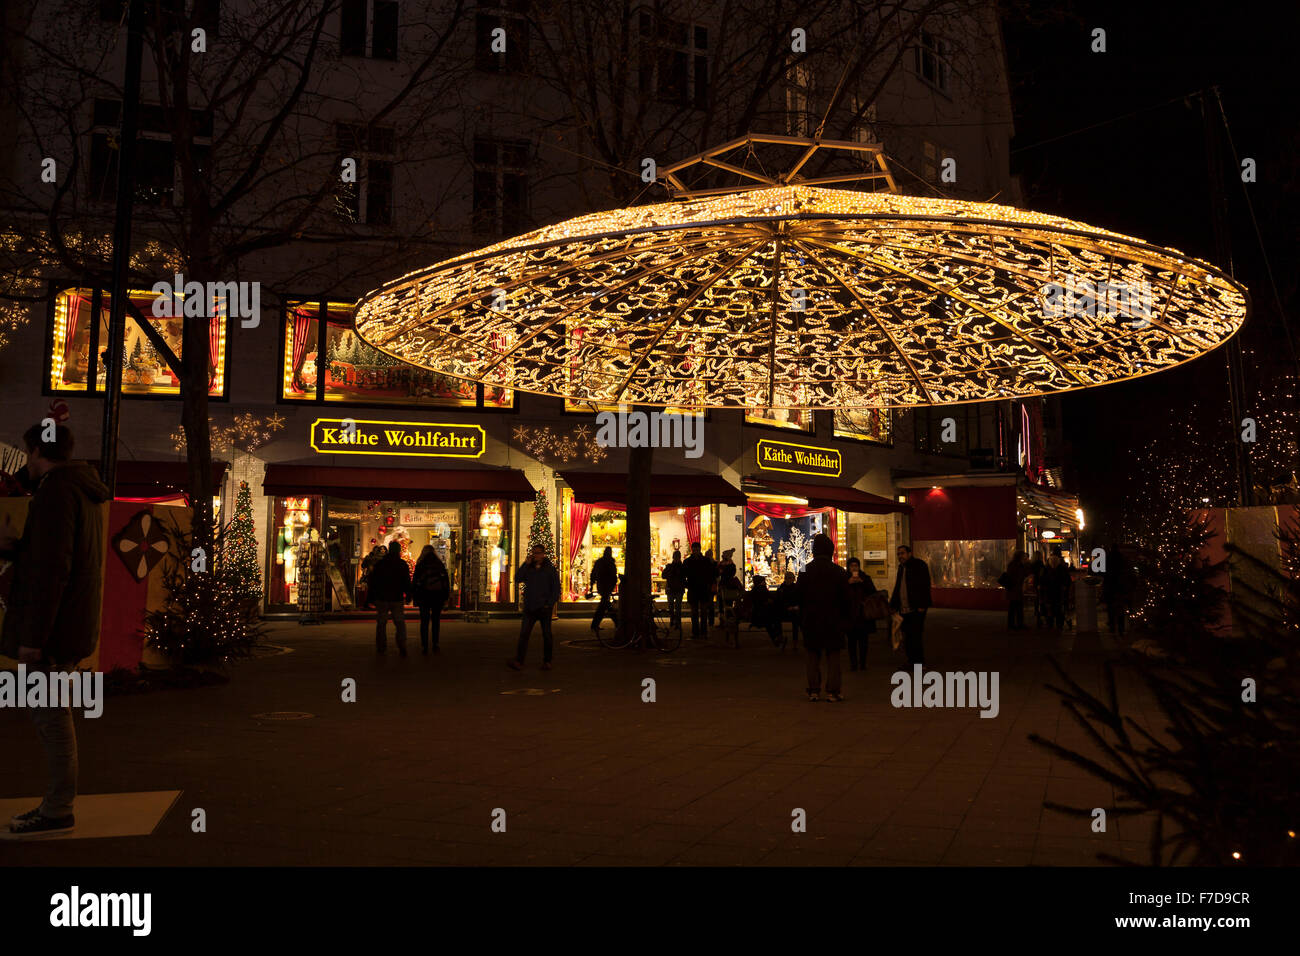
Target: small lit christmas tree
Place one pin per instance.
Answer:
(540, 532)
(239, 569)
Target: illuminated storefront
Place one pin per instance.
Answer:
(684, 509)
(468, 516)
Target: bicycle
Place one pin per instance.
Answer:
(655, 628)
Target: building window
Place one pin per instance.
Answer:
(80, 339)
(500, 186)
(795, 419)
(674, 60)
(155, 152)
(510, 16)
(346, 369)
(368, 28)
(932, 60)
(932, 158)
(369, 200)
(865, 424)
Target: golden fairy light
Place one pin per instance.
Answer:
(792, 295)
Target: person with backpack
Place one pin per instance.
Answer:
(430, 587)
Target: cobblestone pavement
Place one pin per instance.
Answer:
(585, 771)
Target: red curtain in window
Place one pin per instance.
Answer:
(214, 347)
(302, 321)
(78, 307)
(830, 530)
(579, 516)
(692, 525)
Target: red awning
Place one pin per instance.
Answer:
(845, 499)
(157, 480)
(399, 484)
(666, 491)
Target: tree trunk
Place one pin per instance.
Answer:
(636, 555)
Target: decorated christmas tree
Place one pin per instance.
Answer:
(239, 570)
(540, 532)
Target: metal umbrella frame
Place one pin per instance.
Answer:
(801, 296)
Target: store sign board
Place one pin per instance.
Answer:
(429, 516)
(348, 436)
(799, 459)
(874, 555)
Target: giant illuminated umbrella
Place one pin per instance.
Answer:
(793, 294)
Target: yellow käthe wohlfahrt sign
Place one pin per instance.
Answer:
(799, 459)
(348, 436)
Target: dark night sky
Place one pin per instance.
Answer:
(1142, 171)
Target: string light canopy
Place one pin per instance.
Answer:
(783, 292)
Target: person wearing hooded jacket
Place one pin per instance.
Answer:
(52, 621)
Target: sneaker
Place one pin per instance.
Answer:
(834, 698)
(546, 665)
(514, 665)
(35, 823)
(814, 697)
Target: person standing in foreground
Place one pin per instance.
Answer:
(861, 627)
(604, 574)
(52, 621)
(541, 583)
(825, 601)
(430, 586)
(911, 598)
(700, 575)
(390, 586)
(1013, 579)
(674, 575)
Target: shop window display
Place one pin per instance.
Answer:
(293, 520)
(586, 530)
(779, 539)
(77, 333)
(865, 424)
(795, 419)
(965, 564)
(319, 340)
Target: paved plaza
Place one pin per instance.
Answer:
(586, 772)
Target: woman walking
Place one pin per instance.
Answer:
(861, 627)
(431, 587)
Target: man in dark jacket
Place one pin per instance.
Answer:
(541, 584)
(824, 598)
(390, 586)
(911, 598)
(700, 575)
(52, 621)
(604, 574)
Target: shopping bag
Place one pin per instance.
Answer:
(897, 634)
